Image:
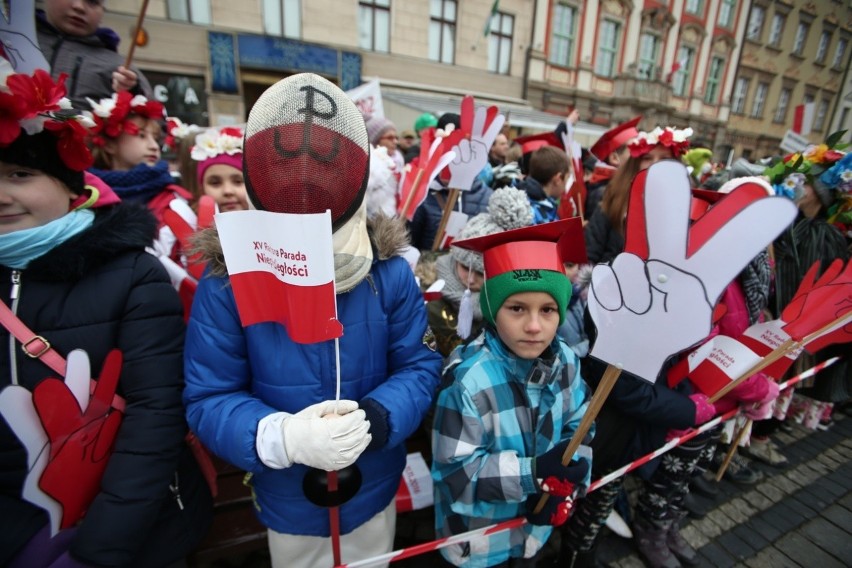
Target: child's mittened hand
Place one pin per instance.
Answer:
(704, 409)
(549, 465)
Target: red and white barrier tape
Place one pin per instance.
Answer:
(427, 547)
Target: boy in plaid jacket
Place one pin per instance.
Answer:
(512, 400)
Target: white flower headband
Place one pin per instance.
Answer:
(212, 143)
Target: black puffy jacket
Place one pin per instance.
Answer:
(603, 243)
(98, 291)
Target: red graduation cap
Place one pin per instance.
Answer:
(543, 247)
(533, 142)
(613, 139)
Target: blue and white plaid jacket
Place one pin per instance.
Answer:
(498, 413)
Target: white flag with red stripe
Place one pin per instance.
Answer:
(281, 268)
(803, 118)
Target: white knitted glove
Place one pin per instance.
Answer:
(316, 437)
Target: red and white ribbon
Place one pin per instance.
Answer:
(434, 545)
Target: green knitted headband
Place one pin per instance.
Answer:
(496, 290)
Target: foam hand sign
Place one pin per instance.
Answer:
(479, 128)
(819, 306)
(18, 38)
(436, 153)
(81, 430)
(68, 435)
(656, 298)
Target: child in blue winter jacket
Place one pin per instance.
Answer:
(515, 397)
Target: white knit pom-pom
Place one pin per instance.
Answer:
(465, 315)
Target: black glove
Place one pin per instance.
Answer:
(377, 416)
(549, 465)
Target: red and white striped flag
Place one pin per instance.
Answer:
(803, 118)
(281, 268)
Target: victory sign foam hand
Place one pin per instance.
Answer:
(81, 430)
(656, 298)
(480, 128)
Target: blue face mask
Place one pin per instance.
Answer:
(19, 248)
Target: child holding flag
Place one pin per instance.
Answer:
(513, 398)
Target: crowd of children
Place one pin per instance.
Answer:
(84, 218)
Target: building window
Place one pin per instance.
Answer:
(801, 38)
(726, 13)
(783, 101)
(563, 35)
(839, 53)
(500, 43)
(685, 61)
(374, 25)
(714, 79)
(282, 17)
(442, 30)
(195, 11)
(739, 97)
(649, 49)
(821, 112)
(607, 48)
(822, 49)
(759, 100)
(693, 7)
(755, 23)
(777, 28)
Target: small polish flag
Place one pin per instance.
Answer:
(281, 268)
(803, 118)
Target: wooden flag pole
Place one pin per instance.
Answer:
(608, 380)
(136, 30)
(445, 217)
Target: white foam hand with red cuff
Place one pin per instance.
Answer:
(656, 298)
(480, 127)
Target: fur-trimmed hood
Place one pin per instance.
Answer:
(388, 236)
(118, 229)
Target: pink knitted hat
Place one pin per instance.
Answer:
(235, 160)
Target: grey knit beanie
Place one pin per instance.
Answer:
(508, 208)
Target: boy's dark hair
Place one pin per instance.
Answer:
(546, 162)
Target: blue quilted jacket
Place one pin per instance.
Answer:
(236, 376)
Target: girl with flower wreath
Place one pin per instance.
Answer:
(88, 480)
(127, 152)
(218, 155)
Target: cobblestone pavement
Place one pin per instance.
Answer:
(800, 515)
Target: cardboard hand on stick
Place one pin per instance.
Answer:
(672, 273)
(480, 128)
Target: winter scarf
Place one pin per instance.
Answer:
(137, 185)
(19, 248)
(755, 282)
